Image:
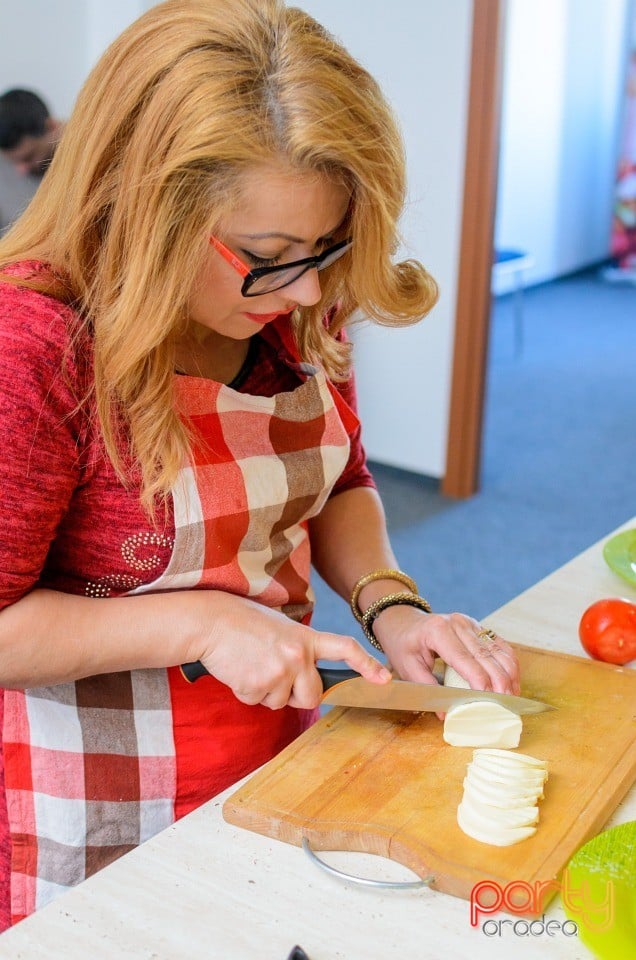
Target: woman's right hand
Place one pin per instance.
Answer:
(266, 658)
(48, 637)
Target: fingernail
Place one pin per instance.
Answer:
(385, 674)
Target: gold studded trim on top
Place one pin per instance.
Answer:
(123, 583)
(105, 585)
(131, 544)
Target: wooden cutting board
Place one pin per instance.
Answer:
(386, 783)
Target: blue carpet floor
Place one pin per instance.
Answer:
(559, 456)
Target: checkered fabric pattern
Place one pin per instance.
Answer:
(90, 773)
(91, 766)
(262, 468)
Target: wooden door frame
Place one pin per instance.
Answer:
(472, 316)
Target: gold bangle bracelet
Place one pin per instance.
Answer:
(378, 575)
(391, 600)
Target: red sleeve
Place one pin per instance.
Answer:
(40, 433)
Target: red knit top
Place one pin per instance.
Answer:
(67, 522)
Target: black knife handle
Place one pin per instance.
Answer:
(297, 954)
(192, 671)
(330, 676)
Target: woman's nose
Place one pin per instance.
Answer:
(305, 290)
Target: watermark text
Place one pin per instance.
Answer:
(522, 898)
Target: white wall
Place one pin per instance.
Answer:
(51, 46)
(43, 47)
(420, 53)
(106, 20)
(563, 81)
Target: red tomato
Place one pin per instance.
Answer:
(608, 630)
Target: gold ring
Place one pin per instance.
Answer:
(486, 636)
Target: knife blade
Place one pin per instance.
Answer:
(346, 688)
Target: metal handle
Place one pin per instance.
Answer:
(384, 884)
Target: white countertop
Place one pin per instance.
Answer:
(205, 889)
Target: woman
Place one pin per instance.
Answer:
(180, 431)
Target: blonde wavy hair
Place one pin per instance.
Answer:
(191, 96)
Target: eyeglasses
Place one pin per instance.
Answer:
(267, 279)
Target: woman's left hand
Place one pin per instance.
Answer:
(412, 640)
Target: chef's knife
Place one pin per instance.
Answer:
(346, 688)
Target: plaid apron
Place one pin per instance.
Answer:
(95, 767)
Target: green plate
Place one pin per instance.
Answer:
(601, 892)
(620, 555)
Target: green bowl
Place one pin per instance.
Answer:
(604, 872)
(619, 554)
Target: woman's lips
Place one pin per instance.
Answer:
(266, 317)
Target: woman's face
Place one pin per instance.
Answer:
(281, 216)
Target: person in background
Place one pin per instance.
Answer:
(28, 137)
(179, 431)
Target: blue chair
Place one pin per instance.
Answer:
(513, 263)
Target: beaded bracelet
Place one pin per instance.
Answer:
(378, 575)
(391, 600)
